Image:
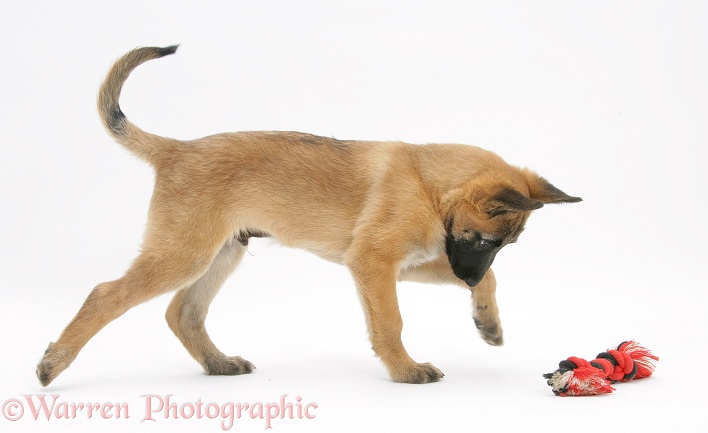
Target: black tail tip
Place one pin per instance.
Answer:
(166, 51)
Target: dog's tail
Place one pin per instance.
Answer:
(146, 146)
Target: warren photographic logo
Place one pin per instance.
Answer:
(155, 408)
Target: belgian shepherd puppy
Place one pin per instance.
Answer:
(388, 211)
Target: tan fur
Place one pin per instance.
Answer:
(380, 208)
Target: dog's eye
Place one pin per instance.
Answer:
(486, 243)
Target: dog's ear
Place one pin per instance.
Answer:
(542, 190)
(511, 200)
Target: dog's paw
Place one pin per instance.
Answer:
(52, 363)
(45, 373)
(418, 373)
(227, 366)
(491, 332)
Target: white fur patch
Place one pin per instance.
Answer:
(420, 256)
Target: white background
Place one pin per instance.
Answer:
(607, 99)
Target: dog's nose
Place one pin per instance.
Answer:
(473, 281)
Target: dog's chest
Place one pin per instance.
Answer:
(421, 255)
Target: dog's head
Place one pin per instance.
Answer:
(488, 213)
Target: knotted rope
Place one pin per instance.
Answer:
(576, 376)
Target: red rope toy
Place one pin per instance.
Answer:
(576, 376)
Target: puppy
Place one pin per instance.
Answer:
(387, 210)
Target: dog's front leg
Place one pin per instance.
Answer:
(485, 311)
(376, 283)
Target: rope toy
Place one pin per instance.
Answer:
(576, 376)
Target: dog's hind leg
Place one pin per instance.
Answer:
(173, 257)
(188, 310)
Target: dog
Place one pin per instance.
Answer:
(389, 211)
